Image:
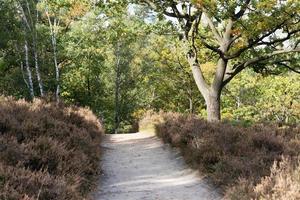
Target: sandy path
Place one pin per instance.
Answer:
(139, 167)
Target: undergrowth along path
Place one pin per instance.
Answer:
(140, 167)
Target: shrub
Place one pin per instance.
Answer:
(47, 151)
(283, 182)
(148, 121)
(235, 157)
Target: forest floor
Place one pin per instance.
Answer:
(140, 167)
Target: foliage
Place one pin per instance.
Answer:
(121, 58)
(154, 72)
(47, 151)
(104, 63)
(234, 36)
(256, 98)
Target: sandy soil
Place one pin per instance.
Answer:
(140, 167)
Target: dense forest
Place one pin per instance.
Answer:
(199, 73)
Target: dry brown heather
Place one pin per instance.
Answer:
(258, 162)
(47, 151)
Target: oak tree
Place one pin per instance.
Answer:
(263, 34)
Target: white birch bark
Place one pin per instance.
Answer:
(35, 50)
(30, 24)
(53, 31)
(29, 75)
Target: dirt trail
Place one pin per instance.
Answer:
(139, 167)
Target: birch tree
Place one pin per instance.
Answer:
(28, 70)
(30, 15)
(59, 15)
(54, 26)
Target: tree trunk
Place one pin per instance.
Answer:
(32, 29)
(54, 47)
(213, 107)
(117, 94)
(37, 71)
(191, 107)
(117, 91)
(191, 102)
(210, 94)
(57, 92)
(30, 83)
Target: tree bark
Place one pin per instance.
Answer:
(212, 95)
(53, 40)
(213, 107)
(37, 70)
(29, 28)
(117, 91)
(54, 47)
(191, 106)
(34, 34)
(30, 83)
(57, 76)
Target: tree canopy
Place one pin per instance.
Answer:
(121, 58)
(239, 35)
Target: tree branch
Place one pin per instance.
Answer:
(286, 66)
(212, 27)
(242, 11)
(241, 66)
(289, 34)
(255, 42)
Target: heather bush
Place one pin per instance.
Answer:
(283, 182)
(236, 158)
(47, 151)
